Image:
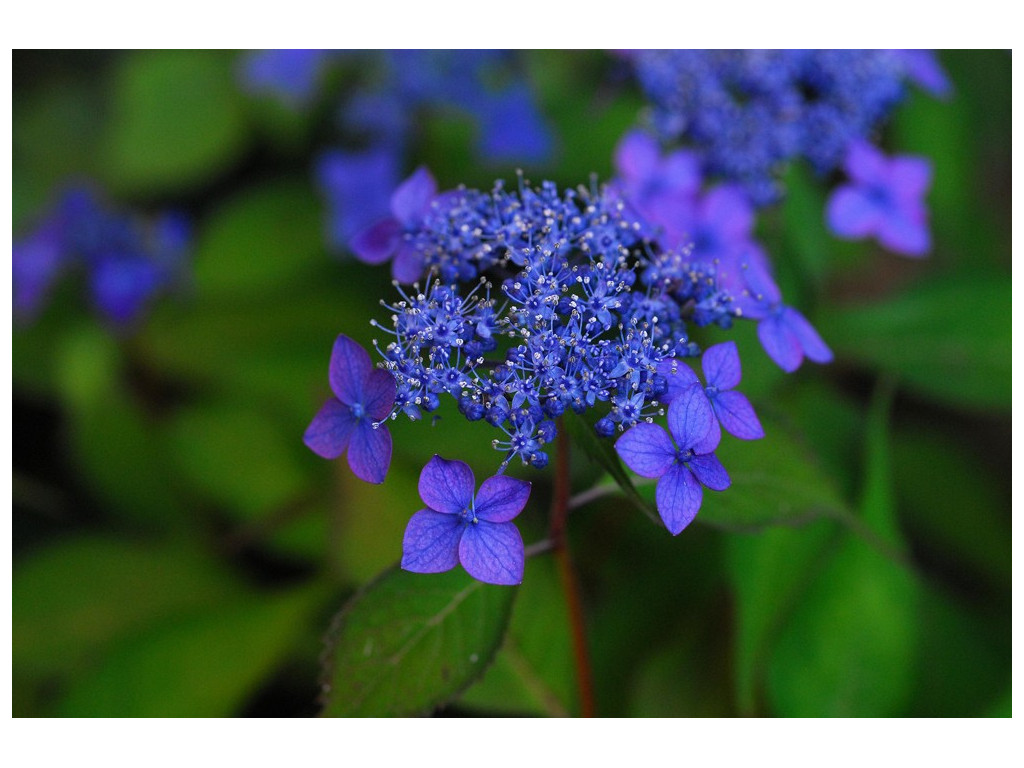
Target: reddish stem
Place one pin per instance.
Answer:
(570, 584)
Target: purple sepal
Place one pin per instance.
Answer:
(851, 213)
(780, 343)
(411, 200)
(350, 366)
(737, 416)
(408, 264)
(493, 552)
(329, 433)
(379, 390)
(692, 421)
(447, 486)
(810, 341)
(501, 499)
(376, 244)
(431, 542)
(710, 472)
(678, 496)
(369, 451)
(646, 449)
(679, 377)
(721, 364)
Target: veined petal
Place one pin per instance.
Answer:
(447, 486)
(710, 472)
(780, 343)
(493, 552)
(646, 449)
(691, 420)
(501, 498)
(410, 201)
(376, 244)
(721, 364)
(680, 377)
(810, 341)
(369, 452)
(737, 416)
(329, 433)
(379, 392)
(431, 542)
(678, 497)
(852, 213)
(350, 365)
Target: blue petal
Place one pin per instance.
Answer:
(721, 365)
(431, 542)
(501, 498)
(379, 392)
(636, 156)
(852, 213)
(678, 497)
(376, 244)
(329, 433)
(737, 415)
(780, 343)
(447, 486)
(646, 449)
(679, 376)
(812, 344)
(906, 232)
(692, 421)
(349, 368)
(710, 472)
(493, 552)
(369, 452)
(408, 264)
(410, 202)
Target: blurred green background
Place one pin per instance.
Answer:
(178, 551)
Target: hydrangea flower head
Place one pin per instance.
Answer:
(683, 467)
(884, 199)
(351, 420)
(409, 203)
(460, 527)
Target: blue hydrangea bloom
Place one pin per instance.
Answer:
(458, 527)
(884, 199)
(682, 466)
(747, 113)
(128, 260)
(358, 187)
(293, 76)
(351, 420)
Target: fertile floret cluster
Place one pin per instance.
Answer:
(128, 259)
(749, 112)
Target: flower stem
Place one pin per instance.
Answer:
(570, 584)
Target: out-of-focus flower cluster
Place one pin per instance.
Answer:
(127, 258)
(386, 93)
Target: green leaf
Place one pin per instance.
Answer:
(73, 599)
(410, 642)
(177, 120)
(259, 240)
(770, 571)
(948, 339)
(533, 670)
(203, 665)
(850, 647)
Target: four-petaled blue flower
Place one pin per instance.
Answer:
(351, 419)
(722, 372)
(885, 199)
(458, 528)
(681, 468)
(409, 205)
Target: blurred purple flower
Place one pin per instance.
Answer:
(36, 262)
(358, 186)
(657, 187)
(292, 75)
(351, 420)
(683, 467)
(924, 70)
(458, 528)
(885, 199)
(410, 203)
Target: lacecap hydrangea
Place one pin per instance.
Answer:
(527, 304)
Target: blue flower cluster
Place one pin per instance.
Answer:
(128, 259)
(747, 113)
(389, 91)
